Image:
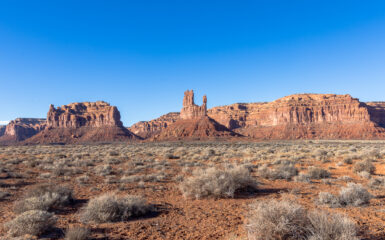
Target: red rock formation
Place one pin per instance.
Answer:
(377, 112)
(190, 110)
(204, 128)
(327, 116)
(89, 114)
(83, 122)
(147, 129)
(22, 128)
(194, 123)
(300, 116)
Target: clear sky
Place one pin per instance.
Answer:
(142, 55)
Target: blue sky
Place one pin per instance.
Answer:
(142, 55)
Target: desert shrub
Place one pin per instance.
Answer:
(44, 197)
(279, 172)
(377, 183)
(271, 220)
(110, 208)
(327, 226)
(318, 173)
(302, 177)
(328, 199)
(354, 194)
(77, 233)
(348, 160)
(34, 222)
(276, 220)
(364, 166)
(217, 182)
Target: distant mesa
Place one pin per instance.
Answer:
(298, 116)
(20, 129)
(83, 122)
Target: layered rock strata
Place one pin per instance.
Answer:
(303, 116)
(21, 129)
(83, 122)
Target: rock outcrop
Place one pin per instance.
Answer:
(190, 110)
(86, 114)
(146, 129)
(22, 128)
(298, 116)
(83, 122)
(194, 124)
(302, 116)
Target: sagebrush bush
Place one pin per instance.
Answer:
(283, 171)
(215, 182)
(353, 195)
(44, 197)
(111, 208)
(317, 173)
(272, 219)
(327, 226)
(34, 222)
(364, 166)
(77, 233)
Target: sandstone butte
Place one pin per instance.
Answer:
(193, 123)
(299, 116)
(21, 129)
(82, 122)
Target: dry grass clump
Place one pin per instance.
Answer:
(34, 222)
(111, 208)
(364, 166)
(272, 219)
(215, 182)
(77, 233)
(351, 195)
(44, 197)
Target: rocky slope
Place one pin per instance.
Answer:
(302, 116)
(193, 123)
(146, 129)
(83, 122)
(21, 129)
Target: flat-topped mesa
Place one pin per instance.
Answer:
(294, 109)
(190, 110)
(316, 108)
(85, 114)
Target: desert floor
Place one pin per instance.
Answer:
(155, 171)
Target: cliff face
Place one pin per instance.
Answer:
(88, 114)
(377, 112)
(146, 129)
(83, 122)
(2, 130)
(299, 116)
(22, 128)
(295, 109)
